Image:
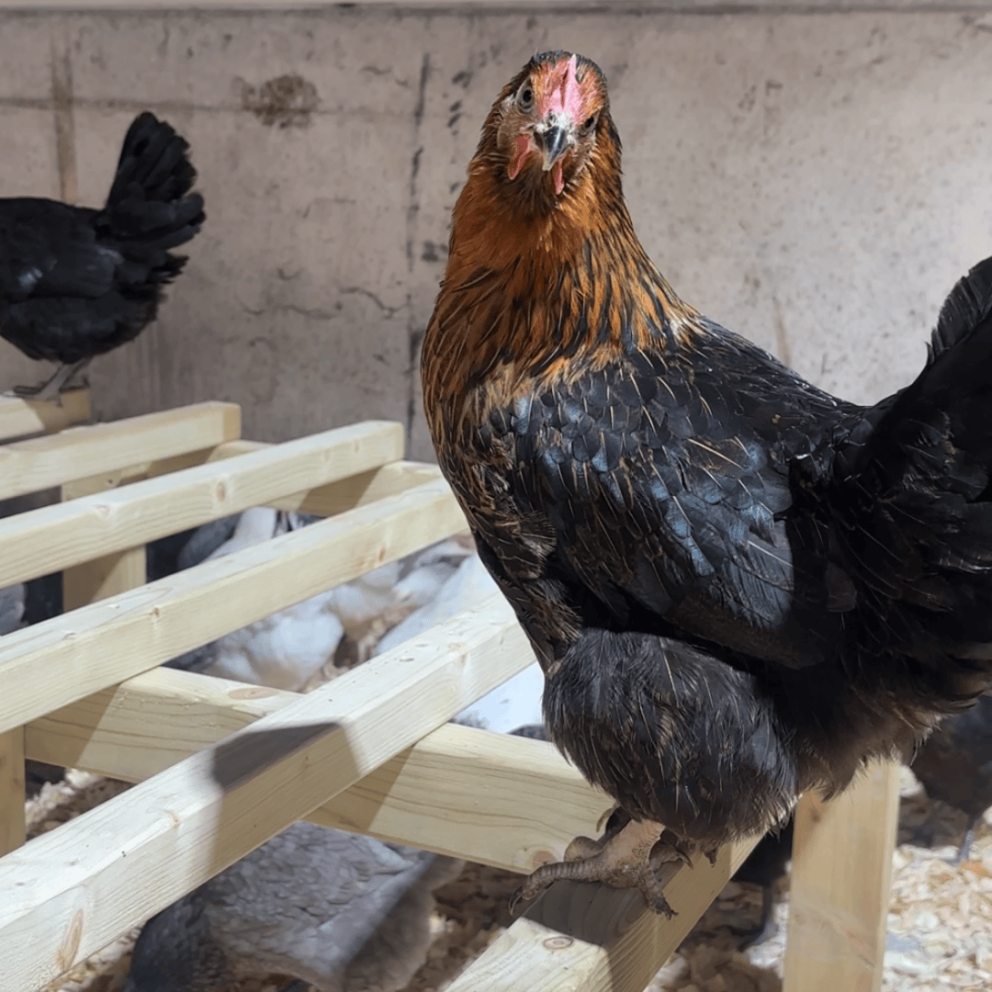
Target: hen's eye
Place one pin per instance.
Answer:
(589, 124)
(525, 98)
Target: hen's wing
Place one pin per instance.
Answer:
(666, 486)
(50, 249)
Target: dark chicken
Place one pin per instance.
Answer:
(955, 765)
(77, 282)
(739, 587)
(764, 866)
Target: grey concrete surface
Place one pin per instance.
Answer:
(816, 181)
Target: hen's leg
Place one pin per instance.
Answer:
(626, 858)
(969, 836)
(55, 385)
(766, 925)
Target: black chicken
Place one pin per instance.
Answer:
(955, 765)
(739, 586)
(77, 282)
(764, 866)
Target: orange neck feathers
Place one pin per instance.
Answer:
(539, 285)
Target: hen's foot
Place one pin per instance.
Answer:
(64, 379)
(626, 858)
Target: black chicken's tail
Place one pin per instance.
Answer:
(150, 208)
(910, 494)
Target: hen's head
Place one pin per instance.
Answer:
(548, 124)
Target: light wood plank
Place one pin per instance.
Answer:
(78, 452)
(20, 417)
(460, 791)
(107, 642)
(590, 938)
(70, 891)
(55, 537)
(840, 884)
(11, 790)
(359, 490)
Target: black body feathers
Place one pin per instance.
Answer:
(739, 586)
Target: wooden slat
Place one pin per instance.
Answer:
(70, 891)
(590, 938)
(96, 646)
(359, 490)
(21, 417)
(11, 790)
(840, 884)
(459, 791)
(463, 792)
(51, 460)
(55, 537)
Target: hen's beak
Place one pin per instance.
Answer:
(554, 140)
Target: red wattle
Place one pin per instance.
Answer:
(523, 149)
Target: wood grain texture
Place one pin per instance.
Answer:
(12, 822)
(19, 417)
(79, 452)
(840, 883)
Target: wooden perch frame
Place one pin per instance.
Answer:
(223, 766)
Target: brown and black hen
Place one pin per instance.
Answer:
(739, 586)
(77, 282)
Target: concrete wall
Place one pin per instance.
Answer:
(814, 180)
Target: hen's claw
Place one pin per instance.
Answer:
(625, 859)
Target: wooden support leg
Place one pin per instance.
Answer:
(101, 577)
(841, 877)
(11, 790)
(17, 418)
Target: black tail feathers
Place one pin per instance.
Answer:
(967, 306)
(150, 200)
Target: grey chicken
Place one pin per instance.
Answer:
(343, 912)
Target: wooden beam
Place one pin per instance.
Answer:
(107, 642)
(840, 883)
(360, 489)
(12, 823)
(71, 891)
(590, 938)
(78, 452)
(460, 791)
(19, 417)
(54, 537)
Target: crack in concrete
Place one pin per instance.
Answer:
(414, 333)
